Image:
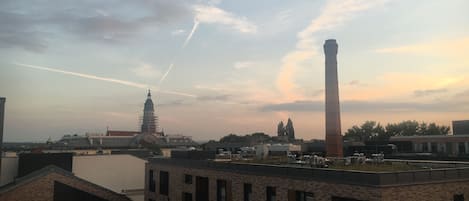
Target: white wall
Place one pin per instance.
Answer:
(9, 170)
(115, 172)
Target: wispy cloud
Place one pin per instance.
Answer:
(244, 64)
(429, 92)
(334, 14)
(214, 15)
(455, 48)
(146, 70)
(178, 32)
(100, 78)
(370, 106)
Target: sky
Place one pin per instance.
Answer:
(217, 67)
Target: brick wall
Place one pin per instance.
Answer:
(322, 190)
(42, 189)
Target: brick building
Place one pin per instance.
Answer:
(199, 180)
(54, 183)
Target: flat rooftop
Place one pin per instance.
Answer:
(368, 177)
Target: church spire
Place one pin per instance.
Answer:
(149, 94)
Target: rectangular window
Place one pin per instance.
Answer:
(201, 189)
(335, 198)
(271, 195)
(187, 196)
(188, 179)
(151, 181)
(247, 192)
(164, 183)
(303, 196)
(221, 190)
(458, 197)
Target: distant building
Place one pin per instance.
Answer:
(443, 144)
(461, 127)
(201, 180)
(114, 139)
(121, 173)
(122, 133)
(2, 114)
(150, 120)
(280, 129)
(287, 131)
(54, 183)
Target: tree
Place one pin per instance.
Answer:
(372, 131)
(368, 131)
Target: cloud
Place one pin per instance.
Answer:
(455, 49)
(16, 32)
(244, 64)
(214, 15)
(334, 14)
(223, 97)
(146, 71)
(354, 82)
(32, 25)
(369, 106)
(178, 32)
(429, 92)
(435, 47)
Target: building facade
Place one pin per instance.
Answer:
(189, 180)
(445, 144)
(461, 127)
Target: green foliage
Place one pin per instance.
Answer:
(255, 137)
(372, 131)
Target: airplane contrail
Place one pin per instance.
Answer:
(94, 77)
(189, 37)
(166, 73)
(194, 28)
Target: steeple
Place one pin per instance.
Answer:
(149, 121)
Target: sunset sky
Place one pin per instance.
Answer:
(219, 67)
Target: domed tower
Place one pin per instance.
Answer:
(150, 121)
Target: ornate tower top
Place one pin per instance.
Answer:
(149, 121)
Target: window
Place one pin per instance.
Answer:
(221, 190)
(201, 188)
(188, 179)
(151, 181)
(247, 192)
(335, 198)
(458, 197)
(270, 193)
(164, 183)
(303, 196)
(187, 196)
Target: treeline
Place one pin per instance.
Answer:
(373, 131)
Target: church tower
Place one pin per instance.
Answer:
(150, 121)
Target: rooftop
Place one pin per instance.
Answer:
(365, 175)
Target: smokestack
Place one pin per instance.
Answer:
(333, 125)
